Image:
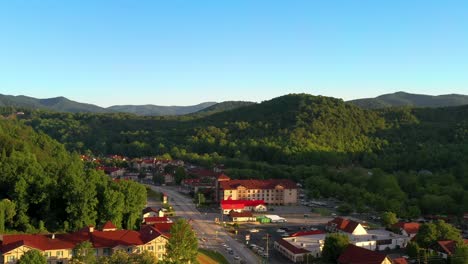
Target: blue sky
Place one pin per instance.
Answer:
(184, 52)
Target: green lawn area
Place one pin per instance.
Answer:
(210, 257)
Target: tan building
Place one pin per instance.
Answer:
(273, 192)
(59, 248)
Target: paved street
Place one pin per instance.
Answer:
(213, 235)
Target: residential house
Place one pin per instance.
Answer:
(342, 225)
(152, 212)
(273, 192)
(445, 248)
(358, 255)
(408, 229)
(59, 248)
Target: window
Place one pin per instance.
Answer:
(160, 256)
(106, 251)
(129, 250)
(59, 253)
(11, 258)
(47, 254)
(160, 247)
(150, 248)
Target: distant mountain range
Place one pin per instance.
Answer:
(62, 104)
(414, 100)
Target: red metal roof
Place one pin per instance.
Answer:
(257, 184)
(108, 225)
(156, 219)
(240, 204)
(358, 255)
(449, 246)
(307, 233)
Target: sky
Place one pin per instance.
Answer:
(177, 52)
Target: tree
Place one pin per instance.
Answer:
(84, 253)
(182, 246)
(461, 254)
(32, 257)
(7, 212)
(412, 249)
(431, 232)
(179, 174)
(334, 246)
(389, 219)
(345, 209)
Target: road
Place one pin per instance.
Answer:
(205, 227)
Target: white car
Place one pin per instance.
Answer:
(280, 230)
(254, 230)
(236, 257)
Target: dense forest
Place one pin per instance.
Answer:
(44, 187)
(407, 160)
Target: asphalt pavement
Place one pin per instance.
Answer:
(211, 235)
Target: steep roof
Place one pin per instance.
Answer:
(358, 255)
(257, 184)
(447, 246)
(343, 224)
(108, 226)
(410, 228)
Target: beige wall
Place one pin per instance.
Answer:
(278, 196)
(156, 246)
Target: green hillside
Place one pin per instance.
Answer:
(415, 100)
(221, 107)
(157, 110)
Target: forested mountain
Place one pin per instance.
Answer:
(223, 106)
(157, 110)
(43, 186)
(415, 100)
(399, 159)
(59, 104)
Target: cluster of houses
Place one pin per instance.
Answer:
(366, 246)
(60, 248)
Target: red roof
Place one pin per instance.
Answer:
(257, 184)
(358, 255)
(108, 225)
(204, 173)
(410, 228)
(400, 261)
(449, 246)
(233, 214)
(343, 224)
(223, 176)
(291, 248)
(307, 233)
(99, 239)
(240, 204)
(154, 220)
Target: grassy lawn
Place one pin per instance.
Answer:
(210, 257)
(153, 195)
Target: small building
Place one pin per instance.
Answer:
(241, 216)
(152, 212)
(342, 225)
(156, 220)
(445, 248)
(243, 205)
(358, 255)
(409, 229)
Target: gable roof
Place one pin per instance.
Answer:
(108, 226)
(150, 209)
(358, 255)
(343, 224)
(257, 184)
(410, 227)
(447, 246)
